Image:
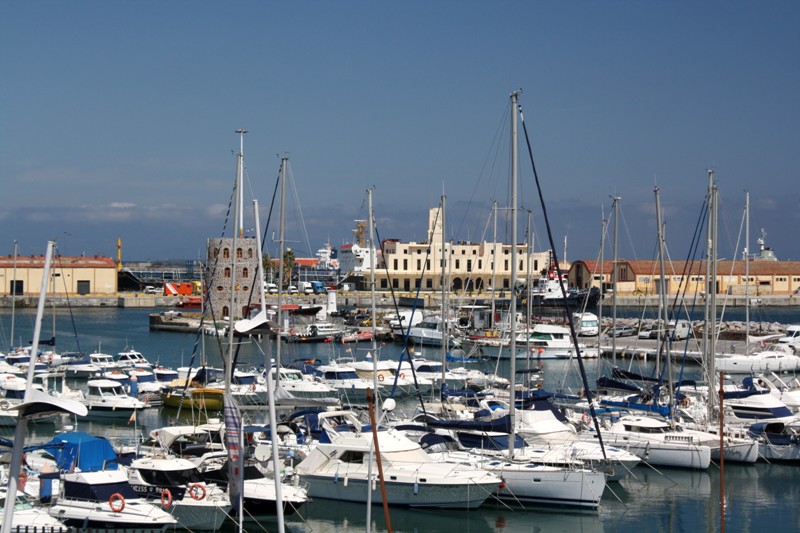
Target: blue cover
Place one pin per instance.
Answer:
(81, 450)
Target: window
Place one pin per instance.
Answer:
(429, 283)
(220, 288)
(249, 253)
(226, 253)
(245, 273)
(239, 253)
(215, 253)
(227, 273)
(405, 265)
(395, 264)
(469, 265)
(419, 264)
(458, 264)
(506, 264)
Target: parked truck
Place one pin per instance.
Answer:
(318, 287)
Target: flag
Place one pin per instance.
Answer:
(233, 428)
(132, 419)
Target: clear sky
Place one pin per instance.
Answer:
(118, 119)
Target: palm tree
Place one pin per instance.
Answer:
(288, 266)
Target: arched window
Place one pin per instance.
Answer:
(239, 253)
(225, 311)
(226, 253)
(245, 272)
(249, 253)
(227, 272)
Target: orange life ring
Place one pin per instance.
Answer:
(166, 498)
(402, 375)
(197, 491)
(586, 418)
(116, 502)
(380, 378)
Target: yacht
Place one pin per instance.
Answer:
(107, 399)
(337, 468)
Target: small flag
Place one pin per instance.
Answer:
(132, 419)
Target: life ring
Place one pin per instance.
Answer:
(166, 499)
(586, 418)
(402, 375)
(684, 402)
(380, 378)
(116, 502)
(197, 491)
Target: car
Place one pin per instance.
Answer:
(621, 331)
(291, 289)
(150, 290)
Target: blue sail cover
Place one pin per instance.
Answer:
(81, 450)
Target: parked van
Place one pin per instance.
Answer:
(150, 290)
(586, 324)
(792, 334)
(271, 288)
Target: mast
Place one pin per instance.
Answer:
(662, 294)
(513, 306)
(372, 292)
(494, 262)
(14, 291)
(614, 279)
(709, 335)
(603, 228)
(22, 425)
(747, 272)
(445, 332)
(279, 314)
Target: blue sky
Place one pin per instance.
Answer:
(118, 119)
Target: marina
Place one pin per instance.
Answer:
(669, 499)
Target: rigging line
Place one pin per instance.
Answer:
(208, 306)
(493, 164)
(59, 266)
(299, 207)
(407, 332)
(573, 334)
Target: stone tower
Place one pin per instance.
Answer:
(220, 276)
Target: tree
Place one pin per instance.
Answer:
(288, 266)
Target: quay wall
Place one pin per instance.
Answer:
(383, 299)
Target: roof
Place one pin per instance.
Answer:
(724, 268)
(37, 261)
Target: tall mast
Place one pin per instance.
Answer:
(14, 291)
(445, 332)
(373, 304)
(281, 251)
(709, 335)
(614, 279)
(240, 192)
(494, 262)
(747, 272)
(662, 294)
(513, 306)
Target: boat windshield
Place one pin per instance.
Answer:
(172, 478)
(98, 492)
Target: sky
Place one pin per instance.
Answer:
(118, 121)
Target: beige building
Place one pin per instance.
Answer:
(779, 278)
(220, 275)
(469, 266)
(69, 275)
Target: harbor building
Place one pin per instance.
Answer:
(468, 266)
(81, 275)
(642, 277)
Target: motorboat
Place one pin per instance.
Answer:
(338, 468)
(27, 516)
(259, 496)
(107, 399)
(105, 500)
(176, 484)
(130, 358)
(530, 476)
(300, 385)
(429, 332)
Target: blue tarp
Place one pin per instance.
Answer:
(81, 450)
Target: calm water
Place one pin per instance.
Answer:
(759, 497)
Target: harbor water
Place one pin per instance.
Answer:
(758, 497)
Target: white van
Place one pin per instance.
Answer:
(271, 288)
(682, 329)
(792, 334)
(586, 324)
